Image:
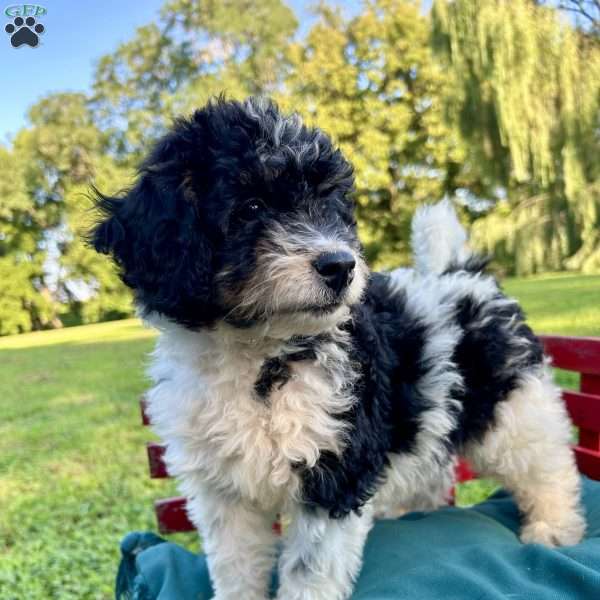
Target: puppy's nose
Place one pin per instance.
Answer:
(335, 268)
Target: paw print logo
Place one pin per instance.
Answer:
(24, 31)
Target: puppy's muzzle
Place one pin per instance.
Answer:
(336, 269)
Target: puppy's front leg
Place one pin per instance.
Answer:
(239, 543)
(322, 556)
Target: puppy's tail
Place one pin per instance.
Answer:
(439, 242)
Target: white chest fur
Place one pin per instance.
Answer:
(204, 407)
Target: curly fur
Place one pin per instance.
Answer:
(275, 391)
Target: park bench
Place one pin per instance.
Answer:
(577, 354)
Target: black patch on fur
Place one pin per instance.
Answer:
(476, 263)
(495, 349)
(491, 357)
(275, 372)
(387, 345)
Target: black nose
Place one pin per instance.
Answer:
(335, 268)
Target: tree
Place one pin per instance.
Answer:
(372, 83)
(197, 49)
(23, 303)
(71, 155)
(526, 101)
(45, 266)
(502, 108)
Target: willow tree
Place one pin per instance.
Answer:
(527, 101)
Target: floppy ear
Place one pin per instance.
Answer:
(109, 232)
(157, 238)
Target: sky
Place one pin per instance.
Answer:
(76, 35)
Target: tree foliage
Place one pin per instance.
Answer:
(527, 101)
(371, 82)
(503, 106)
(195, 50)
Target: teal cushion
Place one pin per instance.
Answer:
(450, 554)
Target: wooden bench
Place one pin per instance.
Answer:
(578, 354)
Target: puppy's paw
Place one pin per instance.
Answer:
(314, 591)
(567, 533)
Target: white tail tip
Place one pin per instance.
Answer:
(438, 239)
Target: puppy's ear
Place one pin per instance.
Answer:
(157, 237)
(109, 232)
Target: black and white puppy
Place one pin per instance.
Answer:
(288, 378)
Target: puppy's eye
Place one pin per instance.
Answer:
(250, 210)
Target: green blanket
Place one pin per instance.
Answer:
(451, 554)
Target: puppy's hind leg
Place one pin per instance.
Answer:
(528, 452)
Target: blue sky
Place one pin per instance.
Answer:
(77, 34)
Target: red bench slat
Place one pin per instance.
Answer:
(172, 516)
(590, 384)
(156, 460)
(589, 439)
(584, 409)
(580, 354)
(588, 462)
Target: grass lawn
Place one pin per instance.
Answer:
(73, 473)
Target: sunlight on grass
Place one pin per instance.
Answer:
(127, 329)
(560, 303)
(472, 492)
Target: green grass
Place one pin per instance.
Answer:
(564, 304)
(73, 472)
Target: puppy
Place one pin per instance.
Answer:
(288, 378)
